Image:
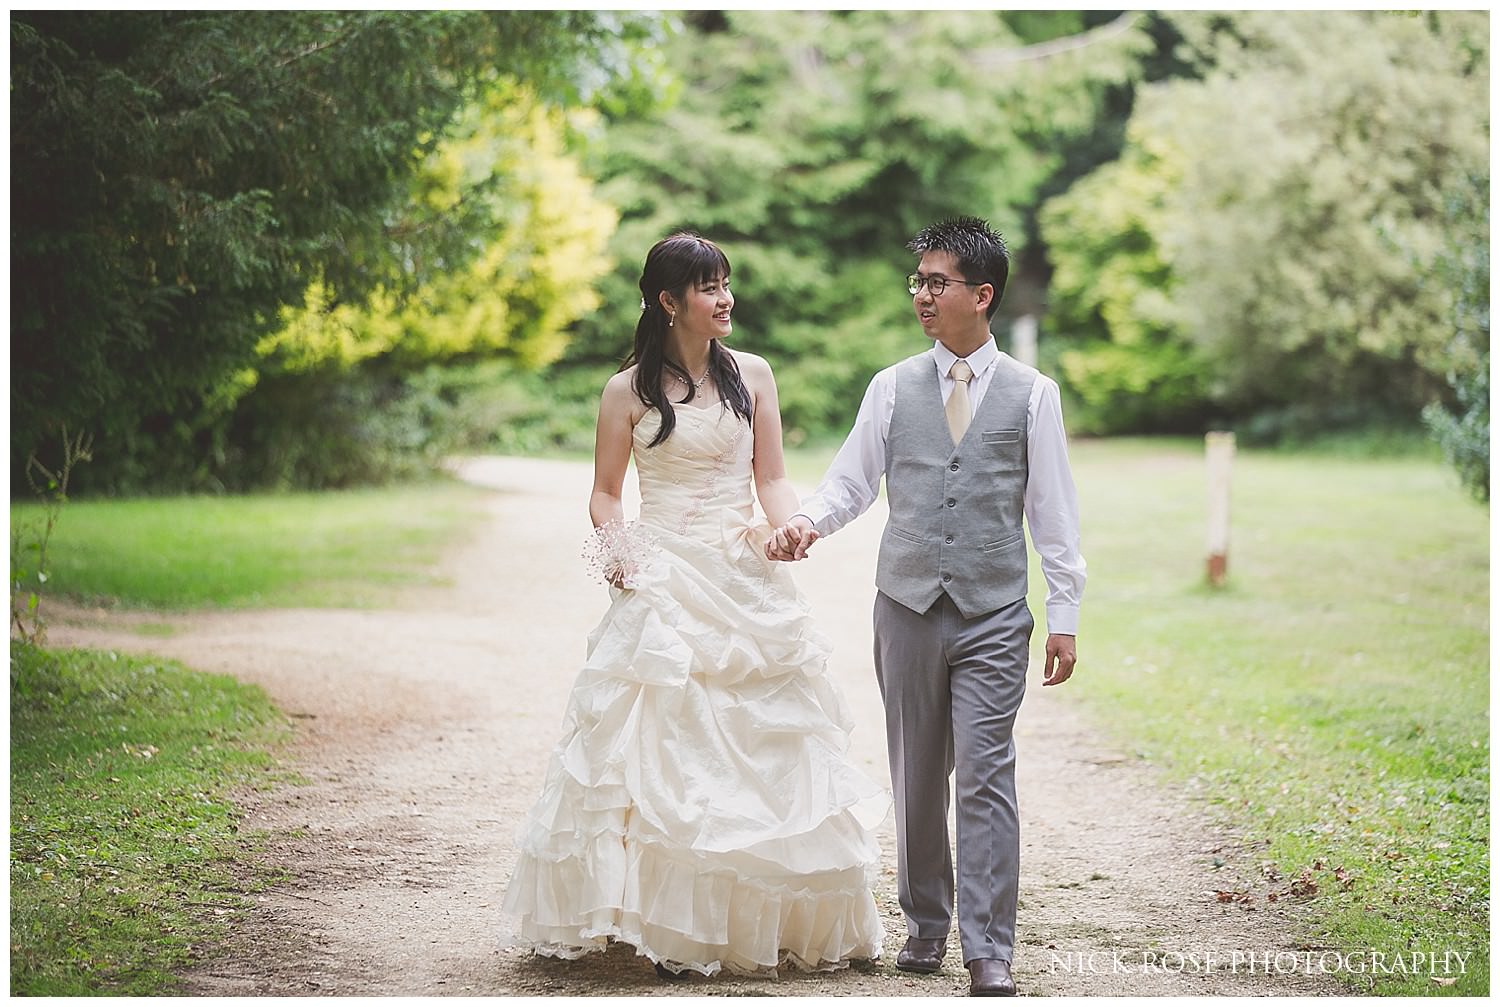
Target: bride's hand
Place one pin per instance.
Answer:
(773, 545)
(777, 547)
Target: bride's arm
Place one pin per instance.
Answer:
(612, 449)
(774, 490)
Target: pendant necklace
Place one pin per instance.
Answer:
(697, 386)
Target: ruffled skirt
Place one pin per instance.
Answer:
(701, 805)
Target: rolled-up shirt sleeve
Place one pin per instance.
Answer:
(852, 482)
(1052, 508)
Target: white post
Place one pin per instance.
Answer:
(1023, 340)
(1220, 450)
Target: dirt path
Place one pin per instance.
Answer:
(424, 731)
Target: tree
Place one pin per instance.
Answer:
(813, 144)
(347, 392)
(1291, 209)
(539, 232)
(1460, 419)
(1126, 363)
(178, 177)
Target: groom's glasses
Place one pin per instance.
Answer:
(936, 283)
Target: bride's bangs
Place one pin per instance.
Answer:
(706, 263)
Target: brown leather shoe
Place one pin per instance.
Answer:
(920, 955)
(990, 977)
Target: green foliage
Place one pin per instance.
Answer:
(1465, 436)
(493, 407)
(179, 177)
(327, 549)
(326, 428)
(1332, 702)
(813, 144)
(1284, 213)
(125, 855)
(347, 394)
(1113, 305)
(542, 234)
(1462, 424)
(233, 229)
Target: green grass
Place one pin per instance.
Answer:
(283, 550)
(125, 859)
(1332, 700)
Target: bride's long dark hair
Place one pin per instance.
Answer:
(675, 263)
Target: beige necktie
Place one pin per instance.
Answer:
(958, 403)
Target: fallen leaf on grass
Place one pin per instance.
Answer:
(1303, 888)
(1442, 981)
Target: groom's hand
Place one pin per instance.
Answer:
(801, 534)
(791, 541)
(1062, 654)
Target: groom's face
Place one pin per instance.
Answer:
(952, 311)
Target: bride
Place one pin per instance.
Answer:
(700, 805)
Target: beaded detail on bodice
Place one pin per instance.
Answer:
(701, 471)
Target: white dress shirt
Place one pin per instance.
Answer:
(1051, 502)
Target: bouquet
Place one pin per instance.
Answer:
(618, 550)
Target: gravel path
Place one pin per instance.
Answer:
(423, 732)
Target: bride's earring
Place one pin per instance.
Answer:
(671, 320)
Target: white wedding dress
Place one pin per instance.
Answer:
(700, 805)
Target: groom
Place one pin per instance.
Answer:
(969, 441)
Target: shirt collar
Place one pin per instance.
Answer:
(979, 361)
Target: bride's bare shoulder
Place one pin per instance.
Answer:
(620, 381)
(620, 396)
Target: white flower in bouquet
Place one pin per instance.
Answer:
(618, 550)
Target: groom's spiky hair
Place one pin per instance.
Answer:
(978, 248)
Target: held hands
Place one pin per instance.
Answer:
(1062, 654)
(791, 541)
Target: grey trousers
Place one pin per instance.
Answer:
(952, 687)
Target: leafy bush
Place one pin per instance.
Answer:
(179, 176)
(1272, 236)
(1465, 434)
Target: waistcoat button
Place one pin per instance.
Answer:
(947, 577)
(949, 540)
(953, 467)
(952, 502)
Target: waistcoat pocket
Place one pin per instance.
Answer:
(905, 535)
(1003, 543)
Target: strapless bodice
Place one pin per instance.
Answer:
(699, 477)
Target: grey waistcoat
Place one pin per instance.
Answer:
(956, 512)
